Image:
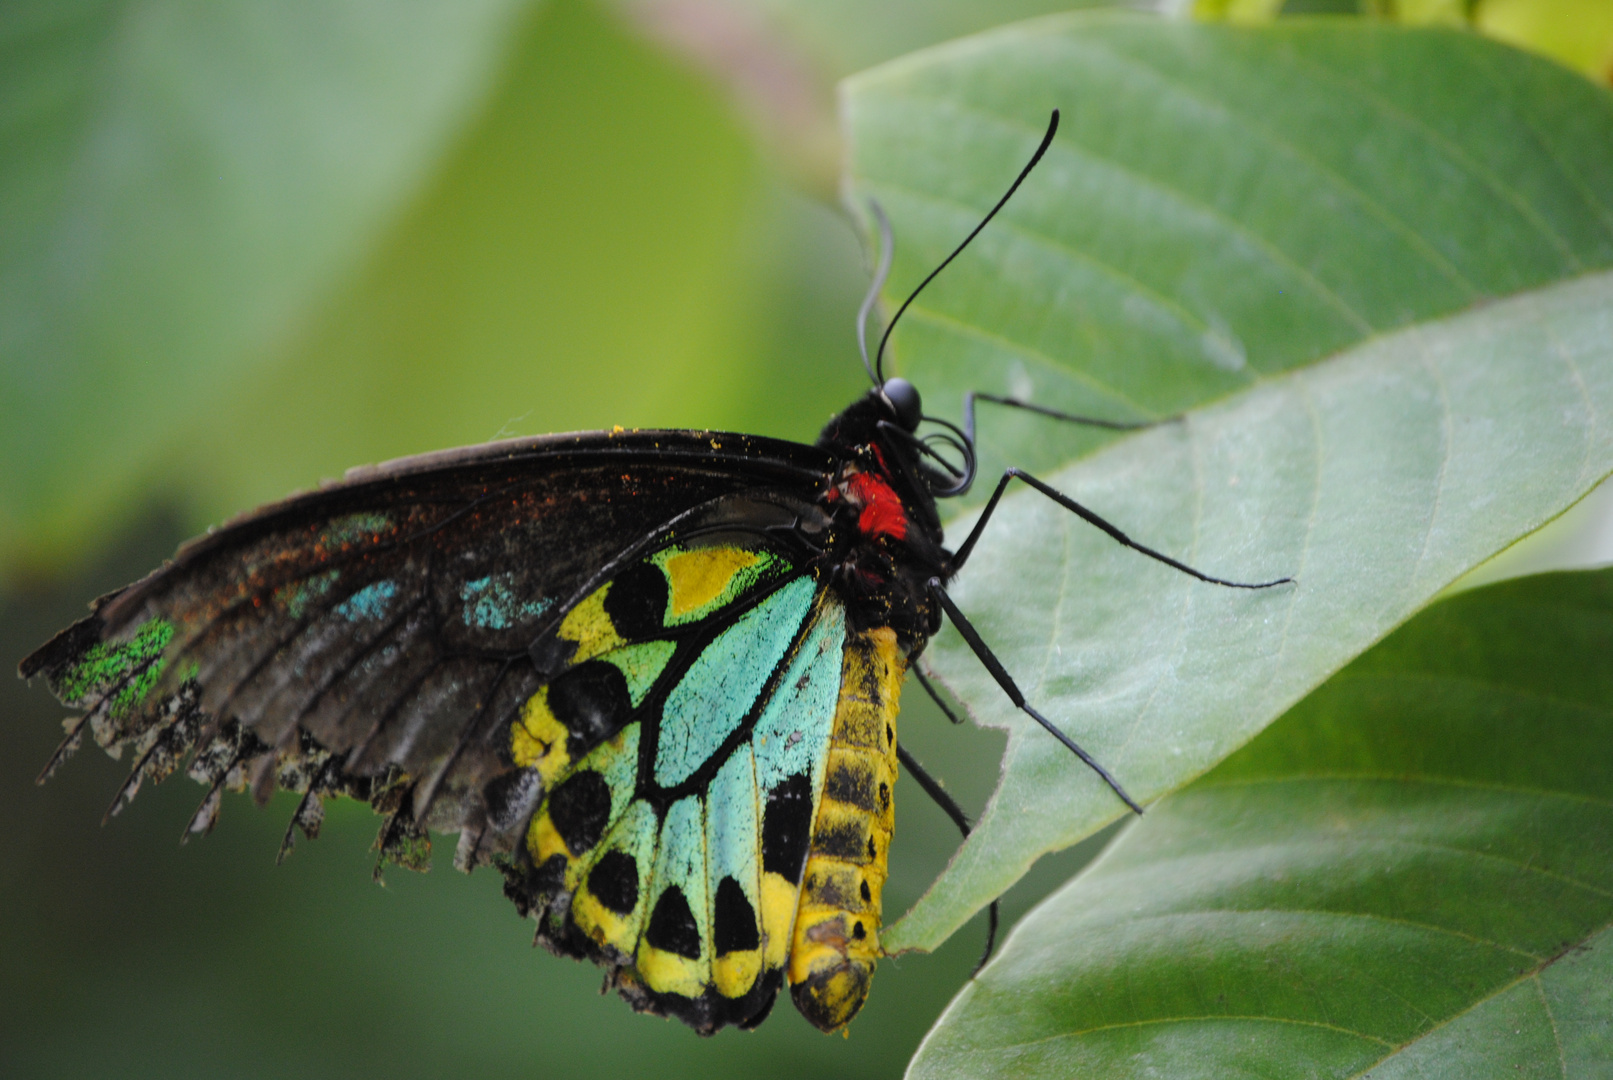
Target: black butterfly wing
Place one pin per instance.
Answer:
(375, 637)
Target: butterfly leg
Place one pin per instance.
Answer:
(1093, 519)
(935, 696)
(983, 653)
(950, 807)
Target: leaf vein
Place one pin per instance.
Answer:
(1556, 1036)
(1453, 151)
(1432, 367)
(1486, 999)
(1393, 221)
(1268, 247)
(1001, 225)
(1573, 176)
(1420, 778)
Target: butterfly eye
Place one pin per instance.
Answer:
(903, 399)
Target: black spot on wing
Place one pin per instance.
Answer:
(787, 828)
(544, 882)
(614, 881)
(734, 928)
(672, 927)
(580, 810)
(591, 700)
(637, 602)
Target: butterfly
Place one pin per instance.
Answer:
(652, 676)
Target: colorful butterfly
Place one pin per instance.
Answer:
(651, 675)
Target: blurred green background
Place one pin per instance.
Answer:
(243, 248)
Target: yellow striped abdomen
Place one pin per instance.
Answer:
(836, 938)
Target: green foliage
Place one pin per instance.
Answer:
(246, 251)
(180, 186)
(1410, 873)
(1298, 239)
(845, 36)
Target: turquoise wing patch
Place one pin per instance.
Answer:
(725, 680)
(682, 750)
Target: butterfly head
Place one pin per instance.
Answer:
(902, 402)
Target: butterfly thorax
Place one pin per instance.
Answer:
(888, 534)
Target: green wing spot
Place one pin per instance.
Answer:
(494, 602)
(714, 695)
(296, 597)
(345, 530)
(134, 666)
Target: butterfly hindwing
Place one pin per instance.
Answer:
(671, 849)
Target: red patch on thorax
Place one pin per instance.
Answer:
(882, 513)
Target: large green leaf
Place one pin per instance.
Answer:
(179, 185)
(1298, 237)
(1409, 875)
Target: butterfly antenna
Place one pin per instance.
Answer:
(881, 272)
(879, 357)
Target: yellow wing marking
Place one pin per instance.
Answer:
(701, 576)
(735, 972)
(603, 925)
(538, 740)
(778, 914)
(633, 836)
(668, 973)
(590, 628)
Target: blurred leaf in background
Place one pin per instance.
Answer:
(246, 250)
(181, 188)
(1578, 33)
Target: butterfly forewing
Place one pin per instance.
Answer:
(374, 633)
